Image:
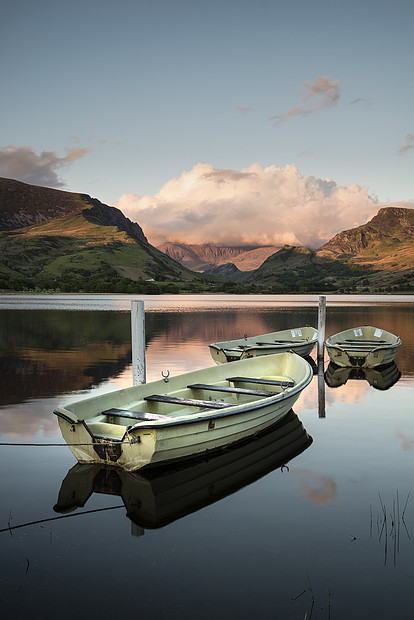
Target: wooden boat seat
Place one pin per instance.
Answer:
(235, 350)
(189, 402)
(231, 390)
(134, 415)
(355, 345)
(284, 341)
(365, 340)
(280, 382)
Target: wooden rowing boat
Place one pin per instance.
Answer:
(301, 340)
(187, 416)
(158, 496)
(365, 346)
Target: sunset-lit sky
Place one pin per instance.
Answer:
(237, 121)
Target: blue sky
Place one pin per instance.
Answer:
(117, 98)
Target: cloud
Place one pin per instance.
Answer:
(407, 443)
(23, 164)
(253, 206)
(244, 109)
(409, 138)
(322, 94)
(316, 487)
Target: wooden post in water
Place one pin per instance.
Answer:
(138, 342)
(321, 326)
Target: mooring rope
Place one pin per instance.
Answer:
(117, 443)
(76, 514)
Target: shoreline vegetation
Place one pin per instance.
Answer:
(126, 286)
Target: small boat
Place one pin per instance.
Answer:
(380, 378)
(301, 340)
(365, 346)
(186, 415)
(158, 496)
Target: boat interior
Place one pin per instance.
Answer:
(196, 397)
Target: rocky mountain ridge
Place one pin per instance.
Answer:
(24, 205)
(206, 257)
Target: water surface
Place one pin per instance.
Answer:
(299, 521)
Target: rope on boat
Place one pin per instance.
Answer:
(117, 443)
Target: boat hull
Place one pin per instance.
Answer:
(301, 340)
(180, 436)
(364, 347)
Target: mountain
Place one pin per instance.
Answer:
(228, 271)
(63, 241)
(379, 254)
(384, 243)
(57, 238)
(23, 205)
(206, 257)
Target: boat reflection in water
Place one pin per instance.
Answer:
(158, 496)
(381, 377)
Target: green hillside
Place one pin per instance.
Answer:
(298, 267)
(79, 244)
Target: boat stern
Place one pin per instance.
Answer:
(108, 444)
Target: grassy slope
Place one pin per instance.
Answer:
(73, 245)
(298, 264)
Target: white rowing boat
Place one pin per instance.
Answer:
(364, 346)
(301, 340)
(187, 416)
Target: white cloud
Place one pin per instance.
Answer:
(323, 93)
(23, 164)
(409, 144)
(243, 109)
(265, 206)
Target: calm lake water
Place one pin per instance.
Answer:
(314, 519)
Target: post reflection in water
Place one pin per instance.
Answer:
(157, 496)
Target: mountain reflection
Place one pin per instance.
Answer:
(51, 352)
(47, 353)
(155, 497)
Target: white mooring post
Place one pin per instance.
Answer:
(138, 342)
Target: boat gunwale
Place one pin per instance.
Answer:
(367, 348)
(200, 416)
(220, 346)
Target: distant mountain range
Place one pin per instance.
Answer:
(206, 257)
(68, 241)
(381, 253)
